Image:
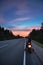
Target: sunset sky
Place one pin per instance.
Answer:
(21, 16)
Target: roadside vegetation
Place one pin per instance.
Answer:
(37, 35)
(39, 44)
(6, 34)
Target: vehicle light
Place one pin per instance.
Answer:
(29, 46)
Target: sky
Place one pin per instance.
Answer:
(21, 16)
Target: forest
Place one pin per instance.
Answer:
(37, 35)
(6, 34)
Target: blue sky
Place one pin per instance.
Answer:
(21, 14)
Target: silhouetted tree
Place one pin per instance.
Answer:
(7, 34)
(42, 26)
(37, 34)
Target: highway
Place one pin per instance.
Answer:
(12, 52)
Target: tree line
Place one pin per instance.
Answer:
(6, 34)
(37, 35)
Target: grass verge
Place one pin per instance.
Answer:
(40, 44)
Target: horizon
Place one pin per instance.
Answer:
(24, 32)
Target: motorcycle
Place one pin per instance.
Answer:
(29, 47)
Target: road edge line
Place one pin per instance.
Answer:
(3, 46)
(24, 59)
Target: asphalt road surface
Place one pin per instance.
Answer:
(12, 52)
(32, 59)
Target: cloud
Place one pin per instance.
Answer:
(21, 12)
(20, 4)
(19, 20)
(24, 28)
(21, 8)
(21, 33)
(34, 27)
(8, 4)
(18, 27)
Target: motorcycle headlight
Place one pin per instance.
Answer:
(29, 46)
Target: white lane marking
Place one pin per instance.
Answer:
(3, 46)
(24, 59)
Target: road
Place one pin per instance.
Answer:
(32, 59)
(12, 52)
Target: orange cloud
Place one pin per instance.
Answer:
(35, 27)
(21, 33)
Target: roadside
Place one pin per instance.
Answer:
(38, 50)
(39, 44)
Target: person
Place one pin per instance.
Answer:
(29, 39)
